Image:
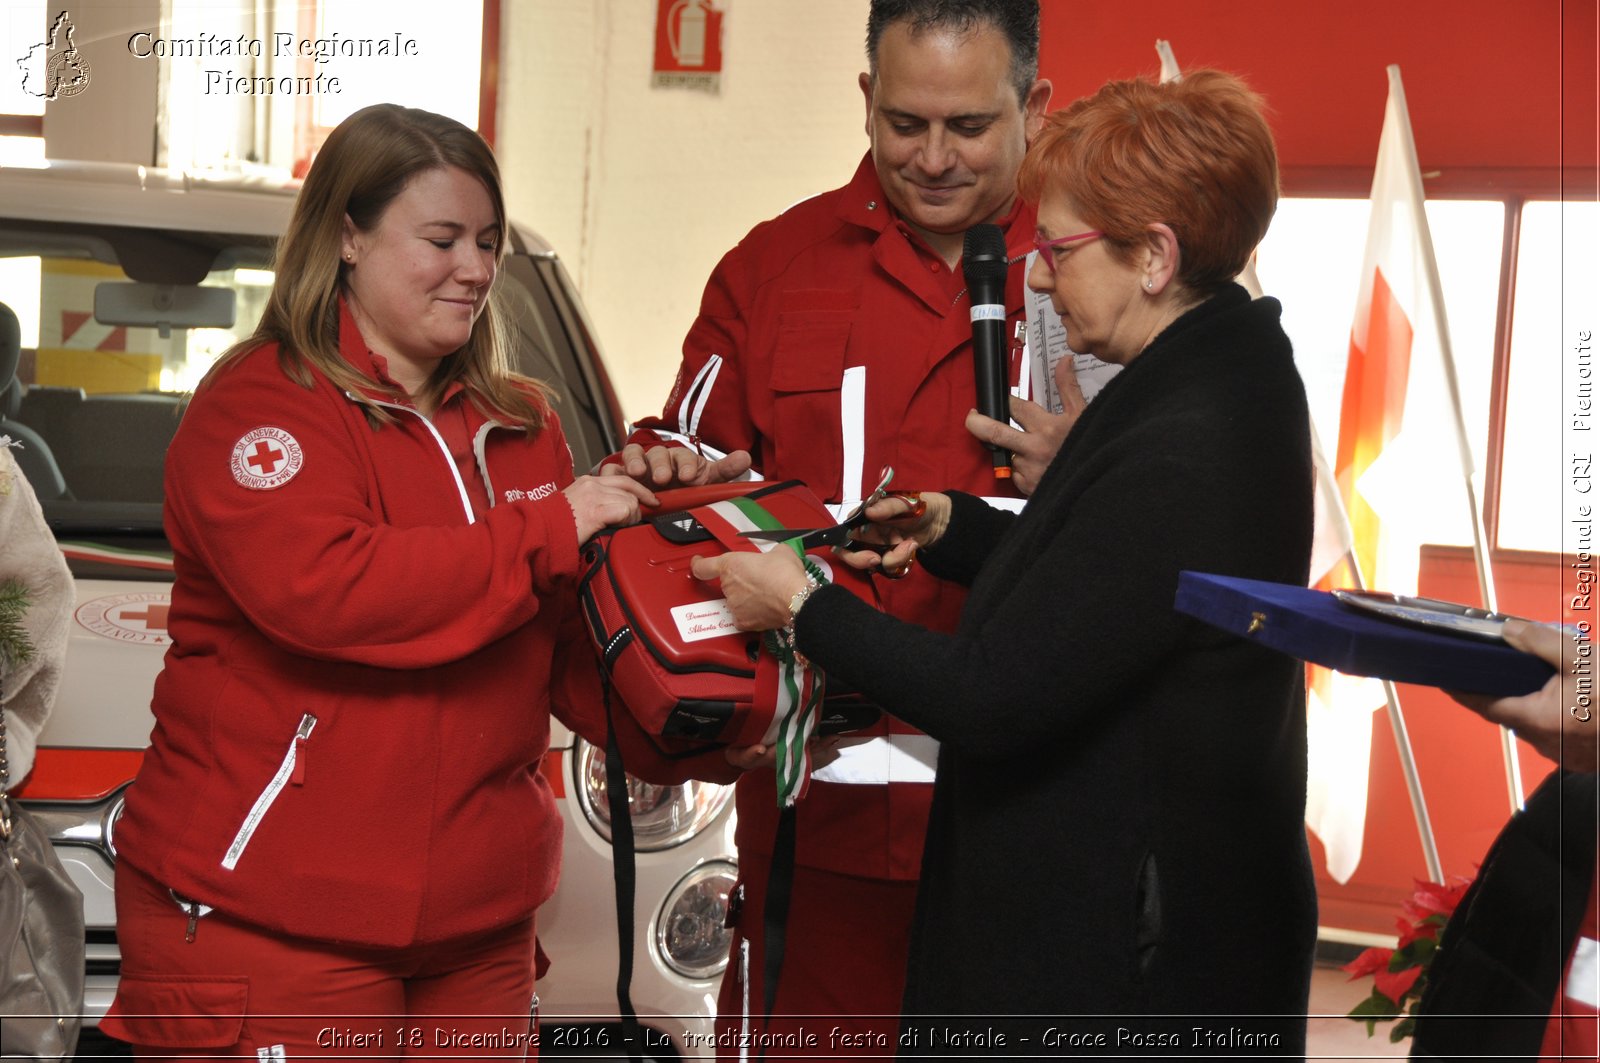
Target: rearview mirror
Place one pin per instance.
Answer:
(163, 306)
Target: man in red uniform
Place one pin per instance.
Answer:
(833, 341)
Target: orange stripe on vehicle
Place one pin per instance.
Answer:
(64, 774)
(550, 767)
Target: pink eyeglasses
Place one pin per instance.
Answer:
(1047, 248)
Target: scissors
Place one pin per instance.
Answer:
(838, 534)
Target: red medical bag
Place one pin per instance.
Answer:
(666, 640)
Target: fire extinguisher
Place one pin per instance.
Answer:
(686, 32)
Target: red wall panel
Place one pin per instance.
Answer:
(1457, 755)
(1490, 84)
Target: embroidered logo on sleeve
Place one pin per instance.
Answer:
(532, 494)
(266, 458)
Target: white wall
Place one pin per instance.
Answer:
(642, 190)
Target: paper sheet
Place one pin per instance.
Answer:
(1047, 345)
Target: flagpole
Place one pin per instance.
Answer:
(1408, 767)
(1402, 742)
(1480, 552)
(1169, 62)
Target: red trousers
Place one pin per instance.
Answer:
(844, 967)
(221, 988)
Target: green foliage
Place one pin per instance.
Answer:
(15, 646)
(1419, 953)
(1374, 1009)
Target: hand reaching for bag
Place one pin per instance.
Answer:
(824, 751)
(664, 466)
(605, 502)
(757, 587)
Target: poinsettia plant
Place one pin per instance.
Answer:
(1400, 974)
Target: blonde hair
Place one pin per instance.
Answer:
(366, 162)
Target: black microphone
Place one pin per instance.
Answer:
(983, 262)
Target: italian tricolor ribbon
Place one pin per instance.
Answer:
(785, 682)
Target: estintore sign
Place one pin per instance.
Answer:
(266, 458)
(688, 44)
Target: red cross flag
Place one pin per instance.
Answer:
(1403, 465)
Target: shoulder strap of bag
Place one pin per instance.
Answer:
(775, 912)
(5, 765)
(622, 874)
(793, 691)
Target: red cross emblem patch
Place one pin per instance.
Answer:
(266, 458)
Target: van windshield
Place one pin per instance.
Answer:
(115, 326)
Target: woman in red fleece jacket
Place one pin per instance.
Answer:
(375, 533)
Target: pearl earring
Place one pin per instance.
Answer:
(1149, 284)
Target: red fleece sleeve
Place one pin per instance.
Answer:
(314, 563)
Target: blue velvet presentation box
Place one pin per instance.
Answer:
(1315, 626)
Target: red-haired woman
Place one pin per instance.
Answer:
(1117, 817)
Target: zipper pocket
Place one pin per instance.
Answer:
(193, 909)
(258, 811)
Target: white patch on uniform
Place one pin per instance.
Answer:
(266, 458)
(1583, 975)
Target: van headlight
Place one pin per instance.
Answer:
(663, 816)
(691, 932)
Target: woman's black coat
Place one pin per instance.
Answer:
(1118, 816)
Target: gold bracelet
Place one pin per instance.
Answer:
(800, 597)
(786, 633)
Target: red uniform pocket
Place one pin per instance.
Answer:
(177, 1011)
(808, 364)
